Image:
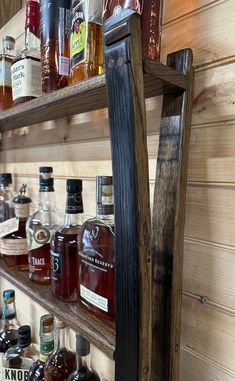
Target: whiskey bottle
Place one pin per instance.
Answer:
(64, 261)
(6, 197)
(55, 31)
(84, 371)
(6, 58)
(13, 247)
(36, 372)
(26, 68)
(62, 362)
(86, 58)
(9, 333)
(40, 227)
(96, 249)
(18, 359)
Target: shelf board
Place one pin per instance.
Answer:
(87, 96)
(74, 316)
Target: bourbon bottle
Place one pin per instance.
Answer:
(97, 255)
(36, 372)
(55, 31)
(9, 333)
(86, 57)
(64, 261)
(84, 371)
(14, 248)
(26, 68)
(62, 362)
(6, 197)
(6, 58)
(40, 227)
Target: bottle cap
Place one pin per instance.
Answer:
(46, 177)
(45, 169)
(74, 185)
(104, 195)
(24, 336)
(46, 334)
(8, 42)
(74, 202)
(5, 178)
(82, 346)
(7, 294)
(21, 198)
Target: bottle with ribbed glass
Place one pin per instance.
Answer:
(96, 249)
(40, 228)
(18, 359)
(26, 68)
(13, 246)
(86, 50)
(9, 333)
(84, 371)
(64, 261)
(62, 362)
(46, 334)
(6, 58)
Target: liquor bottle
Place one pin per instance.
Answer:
(36, 372)
(86, 49)
(6, 58)
(62, 362)
(6, 197)
(9, 333)
(26, 68)
(14, 248)
(55, 31)
(64, 261)
(84, 371)
(97, 255)
(40, 227)
(18, 359)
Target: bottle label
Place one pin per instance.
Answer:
(5, 73)
(93, 298)
(13, 247)
(56, 264)
(22, 210)
(9, 226)
(63, 31)
(26, 79)
(11, 374)
(38, 237)
(78, 34)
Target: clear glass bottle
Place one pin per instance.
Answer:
(55, 30)
(14, 248)
(86, 49)
(40, 228)
(6, 58)
(96, 249)
(36, 372)
(26, 68)
(64, 261)
(9, 333)
(84, 371)
(18, 359)
(7, 210)
(62, 362)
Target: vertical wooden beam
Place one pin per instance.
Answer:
(168, 223)
(128, 134)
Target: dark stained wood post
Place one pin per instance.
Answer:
(168, 223)
(125, 90)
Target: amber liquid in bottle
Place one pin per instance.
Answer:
(6, 100)
(6, 59)
(40, 264)
(17, 262)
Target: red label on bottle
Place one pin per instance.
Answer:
(32, 20)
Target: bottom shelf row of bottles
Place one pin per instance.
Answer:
(21, 361)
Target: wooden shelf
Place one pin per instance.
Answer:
(74, 316)
(87, 96)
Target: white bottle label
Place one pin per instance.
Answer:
(26, 78)
(22, 210)
(10, 374)
(5, 73)
(93, 298)
(13, 247)
(9, 226)
(38, 237)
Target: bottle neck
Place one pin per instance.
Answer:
(46, 200)
(61, 337)
(32, 29)
(8, 315)
(73, 219)
(8, 52)
(106, 218)
(83, 361)
(74, 210)
(5, 187)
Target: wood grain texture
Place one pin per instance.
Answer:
(168, 224)
(128, 133)
(72, 315)
(8, 9)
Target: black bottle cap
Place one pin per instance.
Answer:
(5, 178)
(7, 294)
(21, 199)
(24, 336)
(104, 195)
(74, 185)
(104, 180)
(46, 177)
(45, 169)
(82, 346)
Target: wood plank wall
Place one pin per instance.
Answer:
(208, 314)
